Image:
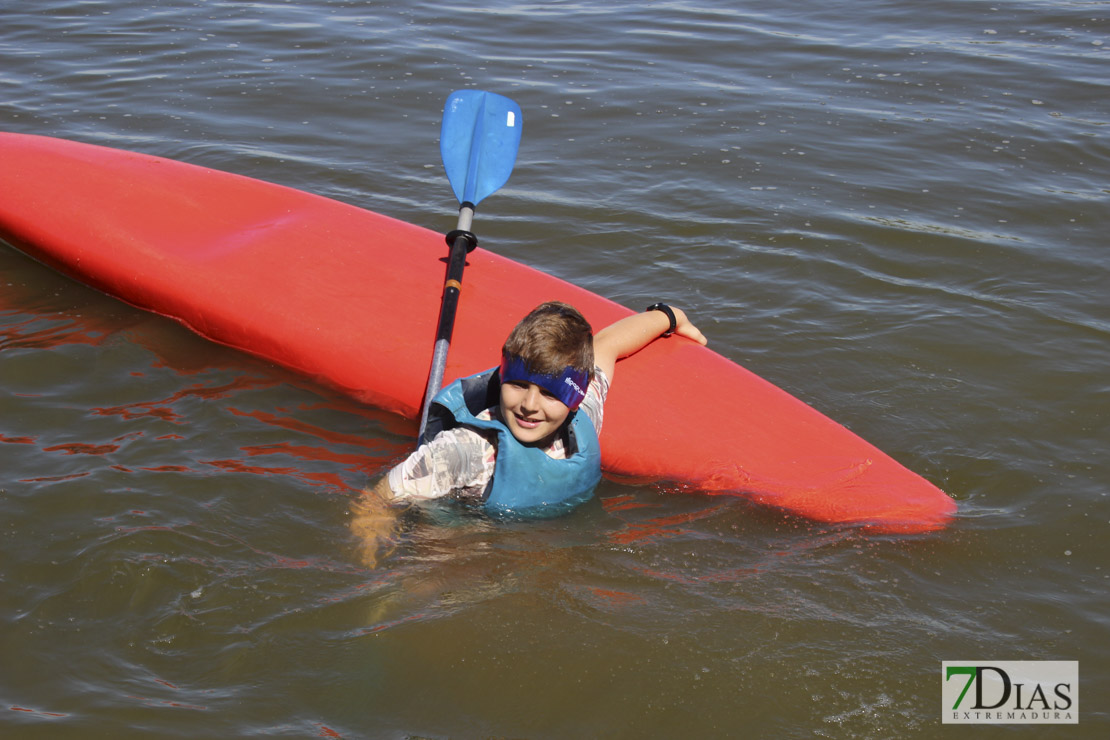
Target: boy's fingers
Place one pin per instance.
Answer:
(687, 329)
(695, 334)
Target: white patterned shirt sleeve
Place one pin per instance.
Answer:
(458, 460)
(594, 402)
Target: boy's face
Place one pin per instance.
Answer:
(532, 413)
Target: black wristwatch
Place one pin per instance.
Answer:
(670, 315)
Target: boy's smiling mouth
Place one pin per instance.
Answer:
(526, 422)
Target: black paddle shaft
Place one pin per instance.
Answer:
(462, 243)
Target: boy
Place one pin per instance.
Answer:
(521, 437)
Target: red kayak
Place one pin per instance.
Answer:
(351, 298)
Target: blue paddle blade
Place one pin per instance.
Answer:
(478, 142)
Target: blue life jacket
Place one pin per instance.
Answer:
(525, 480)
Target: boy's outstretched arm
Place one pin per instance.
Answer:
(632, 333)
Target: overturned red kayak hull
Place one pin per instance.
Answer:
(350, 298)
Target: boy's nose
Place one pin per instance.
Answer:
(531, 399)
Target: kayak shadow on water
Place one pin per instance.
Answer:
(42, 311)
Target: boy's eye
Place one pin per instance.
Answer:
(520, 384)
(546, 393)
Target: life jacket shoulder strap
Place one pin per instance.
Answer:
(473, 394)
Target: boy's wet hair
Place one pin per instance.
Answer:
(552, 337)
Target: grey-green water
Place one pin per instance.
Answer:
(895, 210)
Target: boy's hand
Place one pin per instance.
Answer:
(374, 522)
(685, 328)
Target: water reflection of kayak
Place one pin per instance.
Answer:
(350, 298)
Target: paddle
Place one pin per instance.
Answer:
(478, 143)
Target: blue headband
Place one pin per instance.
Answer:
(569, 386)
